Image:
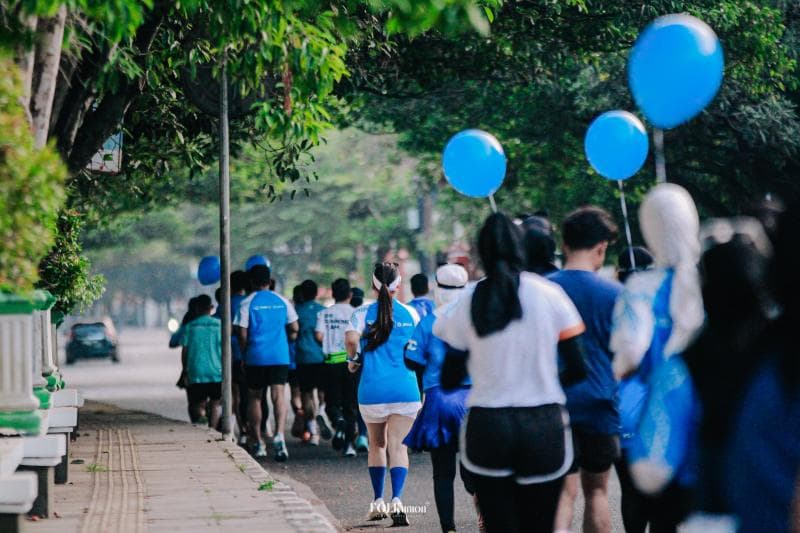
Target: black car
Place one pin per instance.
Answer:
(91, 341)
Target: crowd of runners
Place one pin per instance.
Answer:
(676, 367)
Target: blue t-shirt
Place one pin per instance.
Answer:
(764, 457)
(309, 351)
(423, 305)
(429, 350)
(236, 301)
(592, 403)
(265, 315)
(385, 377)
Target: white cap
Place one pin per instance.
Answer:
(451, 276)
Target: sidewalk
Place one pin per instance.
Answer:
(135, 471)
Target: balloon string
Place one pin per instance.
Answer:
(661, 163)
(492, 203)
(624, 205)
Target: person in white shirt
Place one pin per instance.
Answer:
(515, 439)
(340, 384)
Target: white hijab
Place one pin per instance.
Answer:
(671, 226)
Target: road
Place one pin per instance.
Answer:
(145, 380)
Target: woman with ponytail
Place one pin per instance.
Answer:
(388, 396)
(514, 325)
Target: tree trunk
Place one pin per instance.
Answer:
(24, 60)
(50, 33)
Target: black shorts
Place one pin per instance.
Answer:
(261, 377)
(310, 377)
(237, 372)
(526, 443)
(594, 452)
(200, 392)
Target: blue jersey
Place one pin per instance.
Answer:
(428, 350)
(236, 301)
(265, 315)
(592, 403)
(385, 377)
(423, 306)
(309, 350)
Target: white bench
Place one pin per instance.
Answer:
(40, 456)
(18, 490)
(64, 420)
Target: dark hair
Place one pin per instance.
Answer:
(192, 312)
(272, 284)
(259, 276)
(539, 244)
(240, 281)
(641, 256)
(203, 303)
(495, 302)
(785, 287)
(297, 295)
(380, 330)
(419, 284)
(586, 227)
(341, 290)
(356, 297)
(218, 295)
(768, 212)
(309, 289)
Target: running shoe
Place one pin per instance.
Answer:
(338, 440)
(350, 451)
(362, 444)
(281, 453)
(377, 510)
(398, 514)
(260, 451)
(324, 428)
(243, 440)
(299, 424)
(306, 437)
(314, 440)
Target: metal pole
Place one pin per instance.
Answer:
(225, 252)
(661, 163)
(624, 206)
(492, 203)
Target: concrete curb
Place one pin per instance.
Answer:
(296, 510)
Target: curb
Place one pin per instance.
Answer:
(296, 510)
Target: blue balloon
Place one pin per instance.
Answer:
(257, 260)
(474, 163)
(616, 145)
(675, 69)
(208, 271)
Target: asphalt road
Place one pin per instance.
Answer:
(145, 380)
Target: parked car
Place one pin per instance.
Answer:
(93, 340)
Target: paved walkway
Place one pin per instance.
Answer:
(134, 471)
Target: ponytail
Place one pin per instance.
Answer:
(385, 274)
(495, 302)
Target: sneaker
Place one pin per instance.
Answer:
(242, 440)
(324, 428)
(349, 451)
(306, 437)
(314, 440)
(362, 444)
(338, 440)
(377, 510)
(281, 453)
(260, 451)
(298, 426)
(398, 514)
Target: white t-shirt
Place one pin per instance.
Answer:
(518, 366)
(332, 323)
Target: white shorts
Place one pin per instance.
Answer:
(376, 413)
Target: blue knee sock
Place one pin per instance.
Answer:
(398, 474)
(377, 474)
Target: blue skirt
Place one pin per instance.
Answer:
(439, 420)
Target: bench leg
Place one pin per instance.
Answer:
(61, 474)
(10, 523)
(43, 503)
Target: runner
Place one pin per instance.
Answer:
(175, 341)
(362, 443)
(592, 403)
(642, 257)
(340, 384)
(437, 425)
(202, 359)
(310, 362)
(420, 286)
(388, 396)
(266, 321)
(657, 315)
(540, 245)
(299, 421)
(516, 438)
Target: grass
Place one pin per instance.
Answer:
(94, 467)
(267, 485)
(241, 467)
